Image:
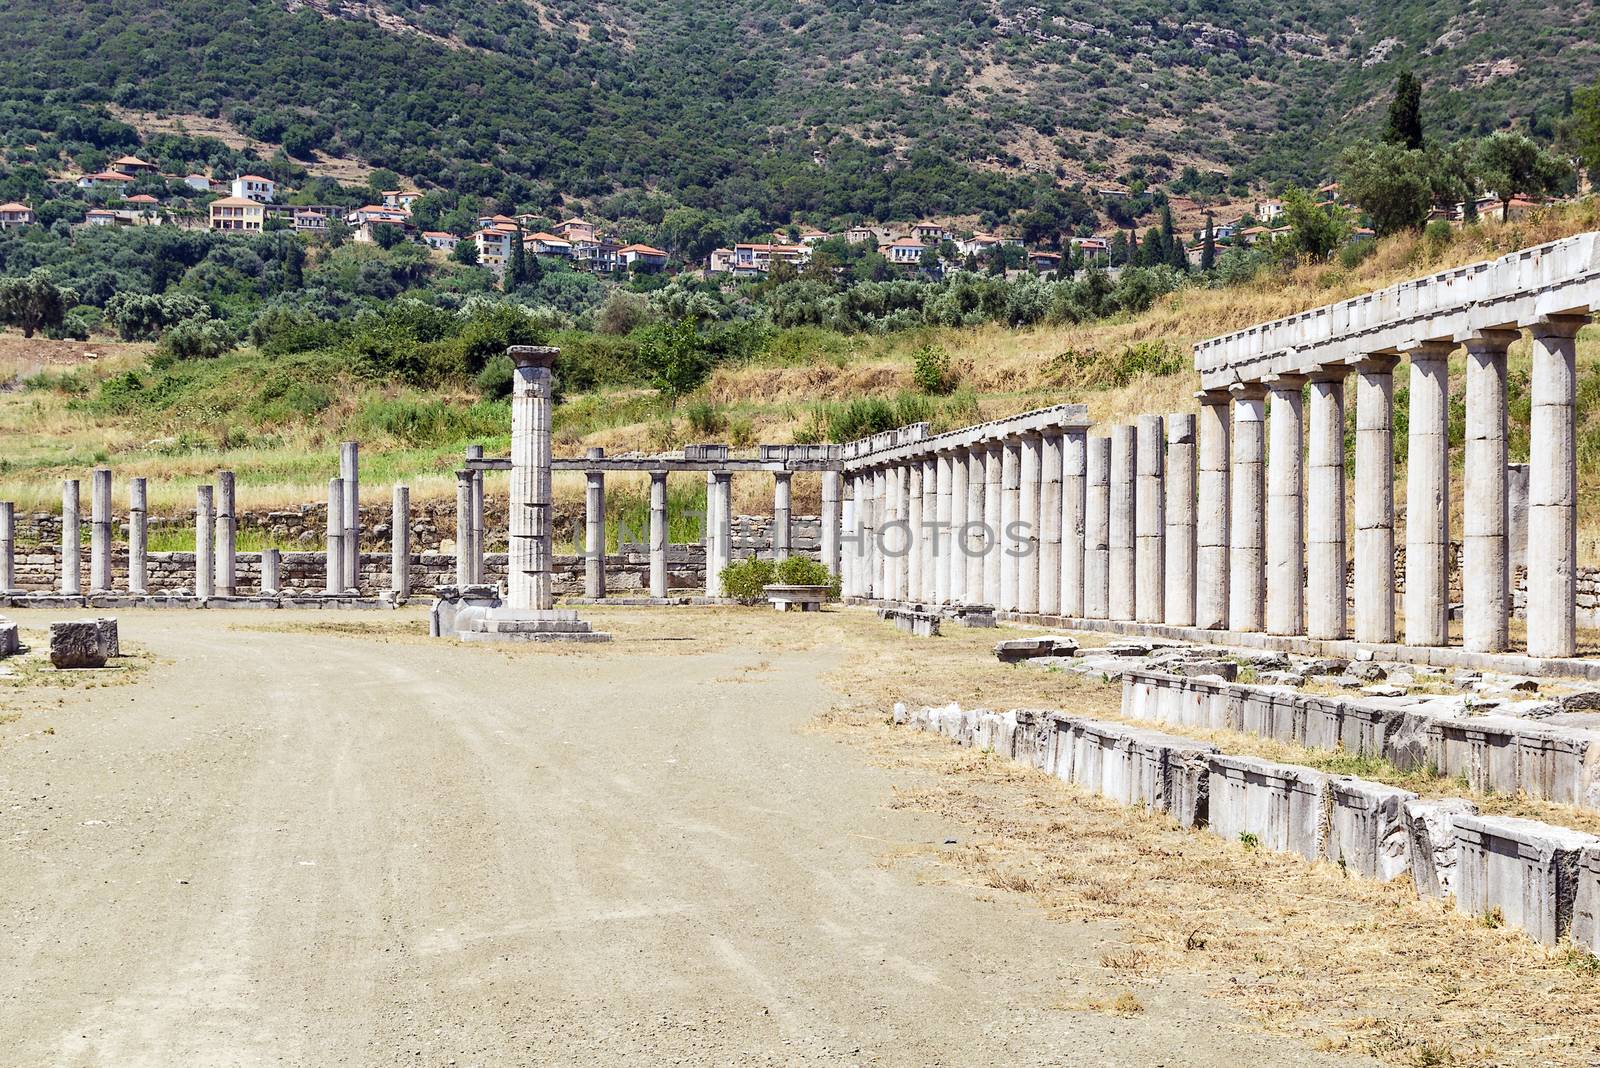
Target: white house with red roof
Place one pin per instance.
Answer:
(113, 181)
(101, 217)
(16, 214)
(549, 244)
(905, 251)
(256, 188)
(400, 198)
(377, 213)
(637, 255)
(440, 240)
(134, 165)
(494, 248)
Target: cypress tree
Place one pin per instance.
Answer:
(1405, 112)
(1208, 249)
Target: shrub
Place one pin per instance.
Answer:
(804, 571)
(743, 580)
(705, 418)
(930, 370)
(196, 339)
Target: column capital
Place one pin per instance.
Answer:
(533, 355)
(1247, 391)
(1490, 342)
(782, 476)
(1376, 363)
(1559, 326)
(1212, 397)
(1330, 372)
(1432, 349)
(1286, 383)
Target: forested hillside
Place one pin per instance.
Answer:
(816, 109)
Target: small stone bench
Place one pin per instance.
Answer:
(796, 598)
(921, 624)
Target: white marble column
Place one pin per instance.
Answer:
(350, 472)
(1485, 562)
(1074, 472)
(1325, 525)
(594, 529)
(939, 536)
(832, 519)
(1097, 529)
(873, 573)
(1428, 496)
(480, 538)
(8, 547)
(227, 541)
(1010, 505)
(1286, 507)
(1246, 510)
(271, 573)
(955, 559)
(205, 561)
(1181, 551)
(782, 498)
(1374, 499)
(334, 583)
(100, 530)
(916, 542)
(1553, 490)
(993, 464)
(929, 533)
(1213, 429)
(974, 540)
(463, 530)
(138, 538)
(400, 543)
(724, 529)
(71, 540)
(529, 551)
(1123, 558)
(1029, 470)
(658, 533)
(1150, 520)
(1050, 468)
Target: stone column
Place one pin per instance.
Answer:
(781, 497)
(1074, 471)
(1485, 561)
(1150, 520)
(334, 583)
(400, 543)
(205, 557)
(1181, 545)
(658, 533)
(916, 543)
(1123, 559)
(1029, 471)
(1050, 467)
(271, 581)
(1325, 525)
(1246, 511)
(1010, 509)
(528, 556)
(71, 547)
(1097, 529)
(350, 473)
(1286, 507)
(994, 550)
(932, 537)
(138, 539)
(227, 537)
(1428, 496)
(723, 485)
(1374, 499)
(476, 546)
(8, 547)
(1553, 490)
(463, 529)
(1212, 429)
(832, 519)
(594, 528)
(100, 530)
(955, 558)
(872, 534)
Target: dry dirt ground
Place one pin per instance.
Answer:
(307, 839)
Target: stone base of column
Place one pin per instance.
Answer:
(476, 614)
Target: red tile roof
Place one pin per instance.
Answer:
(642, 249)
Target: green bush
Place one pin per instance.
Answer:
(804, 571)
(197, 339)
(930, 370)
(705, 418)
(743, 580)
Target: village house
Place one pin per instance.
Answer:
(813, 237)
(377, 213)
(101, 217)
(486, 222)
(600, 256)
(494, 248)
(237, 213)
(440, 241)
(198, 182)
(402, 199)
(256, 188)
(930, 233)
(1044, 262)
(759, 256)
(577, 231)
(15, 214)
(548, 245)
(860, 235)
(720, 261)
(1093, 249)
(143, 203)
(1250, 235)
(1268, 210)
(905, 251)
(134, 165)
(639, 256)
(977, 244)
(310, 222)
(112, 181)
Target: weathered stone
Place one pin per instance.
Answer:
(1367, 833)
(1524, 871)
(1369, 670)
(1332, 666)
(1431, 840)
(1580, 701)
(79, 643)
(1017, 649)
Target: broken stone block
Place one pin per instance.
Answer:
(108, 636)
(1384, 691)
(1127, 649)
(77, 644)
(1331, 666)
(1267, 661)
(1370, 670)
(1402, 678)
(1431, 841)
(1581, 701)
(10, 638)
(1523, 870)
(1019, 649)
(1226, 670)
(1367, 829)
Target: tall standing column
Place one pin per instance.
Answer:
(1010, 506)
(1213, 429)
(1428, 496)
(722, 484)
(932, 537)
(916, 544)
(1123, 559)
(872, 535)
(1181, 545)
(71, 546)
(1374, 499)
(781, 500)
(271, 573)
(658, 533)
(1050, 524)
(955, 558)
(227, 536)
(463, 529)
(1029, 466)
(594, 530)
(974, 534)
(350, 472)
(943, 510)
(1486, 564)
(334, 583)
(100, 530)
(528, 556)
(1286, 575)
(8, 547)
(1150, 520)
(1074, 472)
(1553, 490)
(1246, 514)
(138, 539)
(1325, 525)
(400, 543)
(832, 519)
(994, 550)
(1097, 530)
(205, 557)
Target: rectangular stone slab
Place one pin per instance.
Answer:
(1367, 831)
(1524, 869)
(1282, 806)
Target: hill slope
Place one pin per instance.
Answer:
(818, 108)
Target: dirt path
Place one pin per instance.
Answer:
(318, 849)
